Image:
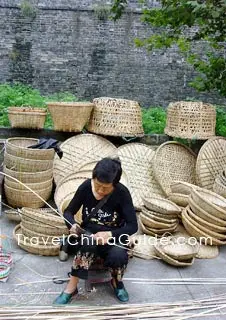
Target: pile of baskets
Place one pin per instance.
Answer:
(30, 167)
(40, 231)
(159, 216)
(205, 217)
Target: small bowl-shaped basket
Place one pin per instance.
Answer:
(161, 205)
(27, 117)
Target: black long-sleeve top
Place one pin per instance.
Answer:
(117, 214)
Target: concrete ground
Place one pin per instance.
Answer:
(30, 280)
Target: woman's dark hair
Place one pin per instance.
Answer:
(108, 170)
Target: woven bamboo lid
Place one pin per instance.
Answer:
(211, 161)
(116, 117)
(79, 150)
(136, 161)
(173, 161)
(190, 120)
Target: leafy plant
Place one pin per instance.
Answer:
(221, 122)
(27, 9)
(154, 120)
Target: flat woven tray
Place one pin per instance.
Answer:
(173, 161)
(79, 150)
(136, 161)
(211, 161)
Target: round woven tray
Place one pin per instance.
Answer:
(179, 198)
(211, 161)
(80, 150)
(205, 215)
(182, 187)
(219, 187)
(26, 165)
(190, 120)
(19, 147)
(152, 223)
(29, 177)
(174, 262)
(116, 117)
(161, 205)
(165, 218)
(172, 162)
(211, 202)
(136, 161)
(143, 246)
(44, 250)
(207, 252)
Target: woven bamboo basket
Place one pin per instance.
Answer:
(219, 187)
(43, 217)
(27, 244)
(208, 231)
(145, 230)
(197, 232)
(207, 252)
(174, 262)
(48, 230)
(116, 117)
(152, 223)
(190, 120)
(143, 246)
(205, 215)
(21, 198)
(41, 238)
(79, 150)
(161, 205)
(13, 215)
(26, 165)
(34, 186)
(27, 117)
(30, 177)
(182, 250)
(70, 116)
(205, 223)
(211, 161)
(179, 198)
(182, 187)
(166, 172)
(210, 202)
(165, 218)
(19, 147)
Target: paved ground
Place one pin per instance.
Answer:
(28, 268)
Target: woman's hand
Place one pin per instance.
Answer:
(75, 230)
(102, 237)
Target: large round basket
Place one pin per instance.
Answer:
(190, 120)
(30, 177)
(34, 186)
(29, 245)
(79, 150)
(116, 117)
(136, 161)
(23, 198)
(211, 161)
(27, 117)
(20, 147)
(70, 116)
(26, 165)
(219, 187)
(173, 161)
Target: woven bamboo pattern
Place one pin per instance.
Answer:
(30, 177)
(42, 217)
(34, 186)
(207, 252)
(182, 187)
(136, 161)
(70, 116)
(19, 147)
(152, 223)
(211, 161)
(27, 117)
(80, 150)
(22, 198)
(13, 215)
(179, 198)
(143, 246)
(48, 230)
(159, 216)
(29, 246)
(219, 187)
(26, 165)
(190, 120)
(161, 205)
(41, 238)
(180, 251)
(173, 161)
(116, 117)
(211, 202)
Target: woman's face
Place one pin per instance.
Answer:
(102, 189)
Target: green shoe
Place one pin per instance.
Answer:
(120, 292)
(64, 297)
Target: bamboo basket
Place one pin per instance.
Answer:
(27, 117)
(21, 198)
(179, 198)
(12, 215)
(161, 205)
(47, 218)
(48, 230)
(43, 250)
(190, 120)
(26, 165)
(182, 187)
(219, 187)
(30, 177)
(19, 147)
(42, 238)
(116, 117)
(165, 257)
(70, 116)
(34, 186)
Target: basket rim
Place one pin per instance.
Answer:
(9, 141)
(70, 104)
(152, 206)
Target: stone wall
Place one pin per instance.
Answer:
(70, 46)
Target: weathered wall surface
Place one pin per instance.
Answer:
(69, 46)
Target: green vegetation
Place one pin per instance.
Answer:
(154, 120)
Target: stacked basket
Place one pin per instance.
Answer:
(220, 184)
(30, 167)
(40, 231)
(205, 217)
(159, 216)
